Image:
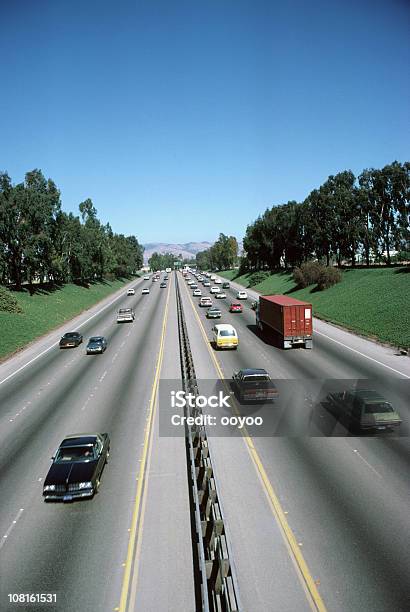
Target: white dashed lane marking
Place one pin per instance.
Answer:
(10, 529)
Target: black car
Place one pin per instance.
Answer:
(163, 285)
(77, 467)
(225, 285)
(254, 385)
(70, 339)
(96, 344)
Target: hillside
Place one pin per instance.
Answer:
(187, 250)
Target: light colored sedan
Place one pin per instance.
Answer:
(197, 293)
(131, 292)
(215, 289)
(145, 291)
(241, 295)
(218, 281)
(220, 296)
(146, 277)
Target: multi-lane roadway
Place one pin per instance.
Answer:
(316, 518)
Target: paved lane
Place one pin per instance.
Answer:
(347, 498)
(77, 550)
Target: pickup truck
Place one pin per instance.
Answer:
(363, 410)
(125, 315)
(254, 384)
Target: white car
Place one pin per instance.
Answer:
(215, 289)
(145, 291)
(131, 292)
(220, 295)
(190, 281)
(213, 277)
(205, 301)
(197, 293)
(241, 295)
(218, 281)
(146, 277)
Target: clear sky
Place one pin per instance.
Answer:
(183, 119)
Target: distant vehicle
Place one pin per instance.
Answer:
(163, 286)
(197, 293)
(205, 301)
(215, 289)
(131, 292)
(254, 384)
(206, 284)
(77, 467)
(70, 339)
(363, 410)
(125, 315)
(234, 307)
(289, 318)
(213, 277)
(190, 281)
(218, 281)
(226, 285)
(213, 313)
(165, 278)
(241, 295)
(146, 277)
(145, 291)
(220, 295)
(168, 270)
(96, 344)
(200, 278)
(155, 279)
(225, 336)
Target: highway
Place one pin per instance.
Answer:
(317, 518)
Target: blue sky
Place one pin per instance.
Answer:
(183, 119)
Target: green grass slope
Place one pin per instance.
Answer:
(373, 302)
(47, 309)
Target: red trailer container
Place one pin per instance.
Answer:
(291, 319)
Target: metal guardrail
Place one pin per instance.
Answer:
(217, 589)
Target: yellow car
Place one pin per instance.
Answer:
(225, 337)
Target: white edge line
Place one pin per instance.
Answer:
(57, 341)
(362, 354)
(10, 529)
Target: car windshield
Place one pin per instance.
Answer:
(74, 453)
(73, 335)
(124, 310)
(378, 408)
(226, 333)
(96, 340)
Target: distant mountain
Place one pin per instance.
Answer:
(187, 250)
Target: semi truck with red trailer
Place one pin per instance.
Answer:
(290, 319)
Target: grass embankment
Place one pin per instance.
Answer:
(373, 302)
(47, 308)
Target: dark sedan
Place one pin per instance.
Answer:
(97, 344)
(77, 467)
(70, 339)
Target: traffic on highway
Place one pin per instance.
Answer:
(312, 443)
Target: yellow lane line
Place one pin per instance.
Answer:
(142, 475)
(275, 505)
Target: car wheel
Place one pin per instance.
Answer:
(97, 485)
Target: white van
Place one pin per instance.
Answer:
(225, 336)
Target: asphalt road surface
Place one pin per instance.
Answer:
(316, 518)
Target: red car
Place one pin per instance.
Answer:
(236, 308)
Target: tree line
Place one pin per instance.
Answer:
(223, 254)
(39, 241)
(346, 218)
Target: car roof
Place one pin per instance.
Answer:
(252, 371)
(80, 439)
(72, 334)
(226, 326)
(368, 394)
(95, 338)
